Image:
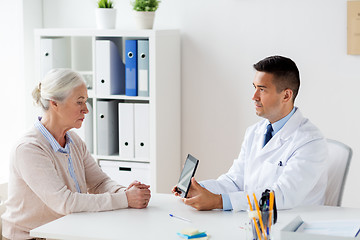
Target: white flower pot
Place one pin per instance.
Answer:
(105, 18)
(144, 20)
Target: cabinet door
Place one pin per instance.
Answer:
(126, 172)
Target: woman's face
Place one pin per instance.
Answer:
(71, 112)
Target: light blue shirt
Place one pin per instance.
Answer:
(57, 148)
(279, 124)
(276, 128)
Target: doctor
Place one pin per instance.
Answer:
(284, 152)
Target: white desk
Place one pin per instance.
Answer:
(154, 222)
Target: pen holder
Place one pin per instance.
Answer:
(259, 229)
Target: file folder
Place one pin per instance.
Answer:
(142, 131)
(143, 68)
(131, 78)
(85, 132)
(107, 127)
(89, 126)
(126, 130)
(110, 69)
(55, 53)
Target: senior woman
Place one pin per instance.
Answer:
(51, 171)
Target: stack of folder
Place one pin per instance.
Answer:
(113, 77)
(123, 128)
(134, 131)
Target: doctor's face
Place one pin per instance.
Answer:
(268, 102)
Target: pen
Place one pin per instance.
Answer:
(184, 219)
(260, 218)
(271, 208)
(255, 224)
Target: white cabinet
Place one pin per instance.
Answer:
(126, 172)
(158, 160)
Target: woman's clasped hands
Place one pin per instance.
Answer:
(138, 195)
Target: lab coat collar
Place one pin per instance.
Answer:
(280, 137)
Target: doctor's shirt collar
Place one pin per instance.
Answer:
(279, 124)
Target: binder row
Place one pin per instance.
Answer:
(123, 128)
(113, 77)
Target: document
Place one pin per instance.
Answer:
(340, 228)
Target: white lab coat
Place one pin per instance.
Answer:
(292, 163)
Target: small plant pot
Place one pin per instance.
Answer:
(144, 20)
(105, 18)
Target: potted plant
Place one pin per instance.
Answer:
(105, 14)
(144, 11)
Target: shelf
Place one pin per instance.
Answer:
(118, 158)
(82, 32)
(164, 119)
(123, 97)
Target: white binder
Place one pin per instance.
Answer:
(142, 131)
(86, 130)
(55, 53)
(125, 173)
(126, 130)
(110, 70)
(107, 127)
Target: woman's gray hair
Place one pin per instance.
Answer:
(57, 85)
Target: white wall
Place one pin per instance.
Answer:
(220, 42)
(16, 68)
(12, 84)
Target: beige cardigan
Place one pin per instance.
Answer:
(42, 190)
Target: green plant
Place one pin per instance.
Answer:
(146, 5)
(105, 4)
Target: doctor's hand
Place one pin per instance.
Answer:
(202, 199)
(138, 195)
(175, 191)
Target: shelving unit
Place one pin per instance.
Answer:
(164, 161)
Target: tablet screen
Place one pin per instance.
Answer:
(186, 174)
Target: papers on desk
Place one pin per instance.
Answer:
(331, 228)
(321, 230)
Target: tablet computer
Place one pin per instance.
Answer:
(187, 173)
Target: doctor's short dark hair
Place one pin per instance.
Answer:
(285, 71)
